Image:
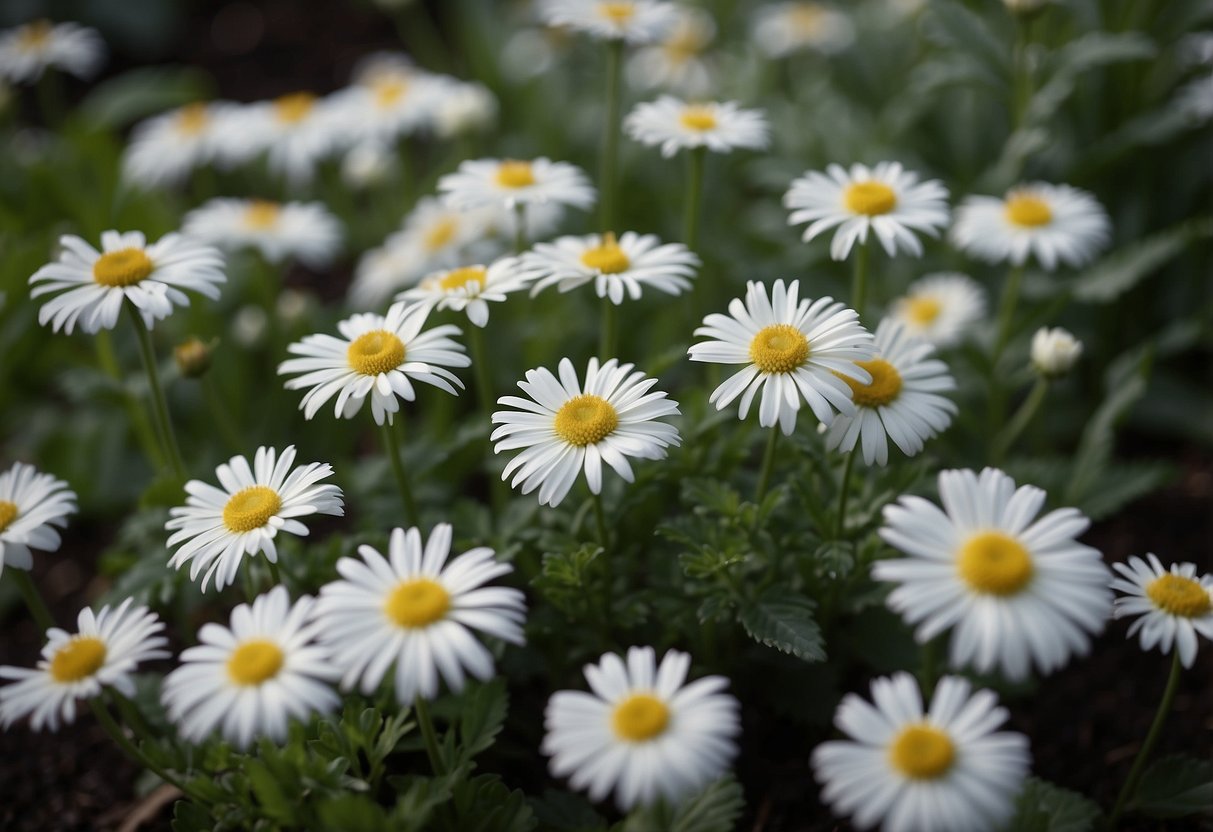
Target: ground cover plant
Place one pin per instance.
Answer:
(584, 415)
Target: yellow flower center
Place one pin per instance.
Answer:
(921, 752)
(8, 513)
(459, 278)
(417, 603)
(698, 118)
(806, 18)
(885, 386)
(607, 257)
(78, 659)
(684, 44)
(125, 267)
(1180, 596)
(440, 233)
(994, 564)
(254, 662)
(389, 90)
(295, 107)
(640, 717)
(192, 119)
(585, 420)
(251, 508)
(923, 310)
(1028, 211)
(375, 352)
(779, 348)
(619, 13)
(515, 174)
(262, 214)
(869, 198)
(34, 37)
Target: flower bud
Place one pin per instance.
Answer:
(1054, 351)
(193, 357)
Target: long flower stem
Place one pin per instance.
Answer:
(432, 749)
(219, 412)
(159, 405)
(859, 279)
(391, 447)
(520, 236)
(1006, 314)
(608, 570)
(844, 489)
(119, 737)
(768, 463)
(695, 164)
(610, 327)
(1164, 707)
(484, 395)
(1021, 419)
(609, 163)
(33, 599)
(144, 431)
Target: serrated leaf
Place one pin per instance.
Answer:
(1175, 787)
(273, 800)
(1124, 268)
(715, 809)
(481, 717)
(1043, 807)
(784, 620)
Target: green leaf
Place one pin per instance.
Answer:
(481, 717)
(1175, 787)
(957, 29)
(133, 95)
(715, 809)
(784, 620)
(565, 812)
(273, 800)
(352, 813)
(190, 817)
(1124, 268)
(1043, 807)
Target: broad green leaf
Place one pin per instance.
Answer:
(1043, 807)
(1124, 268)
(190, 817)
(139, 93)
(266, 788)
(1175, 787)
(715, 809)
(481, 717)
(784, 620)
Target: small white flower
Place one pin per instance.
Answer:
(1016, 591)
(219, 526)
(634, 21)
(781, 29)
(463, 108)
(386, 102)
(673, 124)
(417, 611)
(564, 428)
(304, 231)
(31, 506)
(28, 51)
(942, 770)
(677, 62)
(367, 164)
(941, 308)
(887, 200)
(615, 267)
(375, 358)
(127, 268)
(510, 182)
(794, 350)
(1172, 606)
(296, 131)
(104, 652)
(468, 288)
(1054, 351)
(165, 149)
(1053, 223)
(643, 732)
(902, 401)
(251, 679)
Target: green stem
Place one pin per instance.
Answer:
(1021, 419)
(33, 598)
(600, 521)
(1006, 314)
(220, 414)
(520, 238)
(609, 163)
(607, 335)
(695, 159)
(118, 736)
(1022, 82)
(859, 279)
(50, 98)
(844, 488)
(608, 571)
(1164, 707)
(144, 431)
(484, 395)
(930, 666)
(159, 405)
(432, 749)
(391, 447)
(275, 573)
(768, 463)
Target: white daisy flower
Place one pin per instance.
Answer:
(674, 124)
(304, 231)
(418, 611)
(249, 680)
(511, 182)
(1172, 606)
(1018, 591)
(945, 770)
(219, 526)
(1054, 351)
(633, 21)
(31, 505)
(468, 288)
(104, 652)
(793, 349)
(463, 107)
(887, 200)
(164, 149)
(367, 164)
(564, 428)
(28, 51)
(615, 266)
(1053, 223)
(781, 29)
(642, 732)
(374, 358)
(941, 308)
(127, 268)
(902, 401)
(296, 131)
(677, 62)
(386, 103)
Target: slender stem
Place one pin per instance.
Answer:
(480, 369)
(432, 749)
(930, 666)
(119, 736)
(600, 521)
(844, 488)
(219, 412)
(1164, 707)
(695, 161)
(520, 237)
(610, 147)
(608, 570)
(50, 98)
(160, 406)
(391, 447)
(1006, 313)
(859, 279)
(1021, 419)
(1022, 82)
(144, 431)
(275, 573)
(768, 463)
(33, 598)
(608, 334)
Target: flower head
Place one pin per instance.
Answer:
(782, 29)
(31, 506)
(1172, 606)
(28, 51)
(614, 265)
(296, 131)
(634, 21)
(941, 308)
(675, 125)
(510, 182)
(1054, 351)
(677, 62)
(305, 231)
(468, 288)
(164, 149)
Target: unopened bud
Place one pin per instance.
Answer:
(1054, 351)
(193, 357)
